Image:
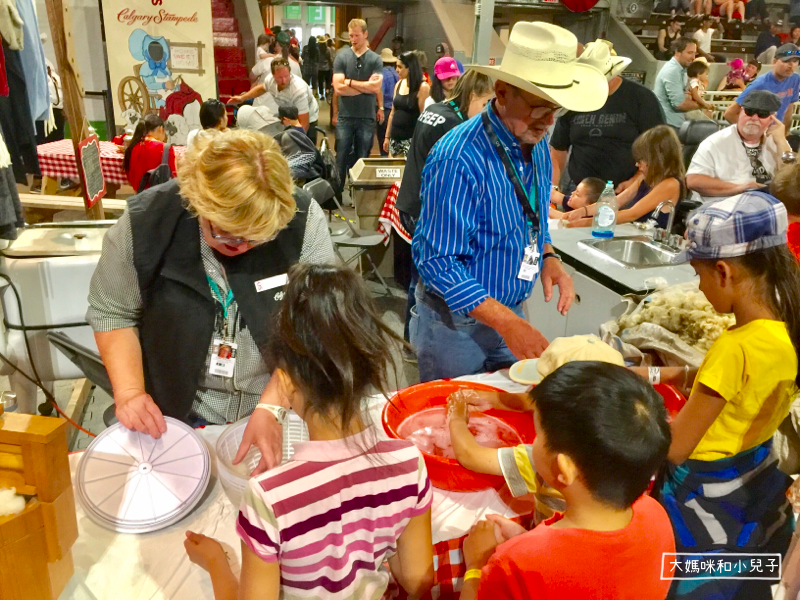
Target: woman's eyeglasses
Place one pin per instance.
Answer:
(232, 240)
(762, 114)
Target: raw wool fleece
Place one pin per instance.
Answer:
(11, 25)
(10, 503)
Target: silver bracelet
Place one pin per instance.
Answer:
(685, 376)
(654, 375)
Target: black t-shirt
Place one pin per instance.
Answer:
(432, 124)
(601, 141)
(765, 41)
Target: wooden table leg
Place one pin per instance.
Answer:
(49, 186)
(111, 189)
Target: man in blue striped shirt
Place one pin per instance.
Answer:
(473, 232)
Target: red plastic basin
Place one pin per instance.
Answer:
(447, 473)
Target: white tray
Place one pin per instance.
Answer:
(131, 483)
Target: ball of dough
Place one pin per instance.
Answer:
(577, 347)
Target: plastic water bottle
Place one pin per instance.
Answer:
(605, 218)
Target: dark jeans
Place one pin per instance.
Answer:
(324, 80)
(354, 138)
(311, 79)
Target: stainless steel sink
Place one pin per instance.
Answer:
(635, 252)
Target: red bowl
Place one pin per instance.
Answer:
(447, 473)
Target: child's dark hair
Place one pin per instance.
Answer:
(777, 275)
(211, 113)
(594, 187)
(698, 67)
(149, 123)
(288, 112)
(610, 421)
(331, 341)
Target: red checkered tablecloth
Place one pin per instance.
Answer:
(390, 216)
(57, 161)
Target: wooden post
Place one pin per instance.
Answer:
(58, 14)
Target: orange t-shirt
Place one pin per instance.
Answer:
(578, 564)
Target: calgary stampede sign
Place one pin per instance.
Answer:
(168, 67)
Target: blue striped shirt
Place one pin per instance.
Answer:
(472, 232)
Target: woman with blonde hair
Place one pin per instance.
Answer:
(190, 276)
(659, 158)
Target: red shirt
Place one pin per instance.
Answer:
(146, 155)
(579, 564)
(794, 238)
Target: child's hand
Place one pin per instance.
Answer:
(479, 544)
(474, 400)
(505, 529)
(457, 409)
(203, 550)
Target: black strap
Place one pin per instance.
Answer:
(165, 154)
(532, 215)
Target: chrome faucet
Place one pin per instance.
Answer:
(663, 235)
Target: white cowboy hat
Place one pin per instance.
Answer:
(541, 58)
(599, 55)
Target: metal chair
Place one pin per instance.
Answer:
(323, 193)
(360, 240)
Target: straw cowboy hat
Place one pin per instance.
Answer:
(541, 58)
(601, 56)
(387, 56)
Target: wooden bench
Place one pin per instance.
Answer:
(42, 207)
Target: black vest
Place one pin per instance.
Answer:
(178, 313)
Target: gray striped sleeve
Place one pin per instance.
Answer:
(317, 245)
(513, 476)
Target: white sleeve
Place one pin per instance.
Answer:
(703, 160)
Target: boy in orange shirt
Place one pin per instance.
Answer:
(601, 433)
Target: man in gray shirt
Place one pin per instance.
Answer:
(357, 81)
(672, 80)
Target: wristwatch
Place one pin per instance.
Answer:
(278, 412)
(547, 255)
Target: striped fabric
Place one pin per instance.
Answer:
(333, 513)
(734, 504)
(472, 231)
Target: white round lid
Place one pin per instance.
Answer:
(129, 482)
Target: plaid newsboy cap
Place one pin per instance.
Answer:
(735, 226)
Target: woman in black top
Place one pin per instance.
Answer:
(311, 61)
(409, 101)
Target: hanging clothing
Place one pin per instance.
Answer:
(11, 25)
(11, 215)
(57, 98)
(3, 77)
(16, 123)
(32, 57)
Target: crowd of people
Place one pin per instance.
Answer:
(493, 154)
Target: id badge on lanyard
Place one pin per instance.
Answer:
(530, 258)
(223, 358)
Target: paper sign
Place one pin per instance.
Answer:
(91, 172)
(388, 173)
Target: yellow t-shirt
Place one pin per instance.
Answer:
(753, 368)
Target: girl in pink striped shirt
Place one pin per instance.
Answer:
(322, 525)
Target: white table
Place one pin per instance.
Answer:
(154, 566)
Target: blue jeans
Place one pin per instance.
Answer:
(353, 141)
(450, 345)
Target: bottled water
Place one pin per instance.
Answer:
(605, 218)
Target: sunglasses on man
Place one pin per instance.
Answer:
(762, 114)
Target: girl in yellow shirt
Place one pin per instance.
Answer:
(723, 490)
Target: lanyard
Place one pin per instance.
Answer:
(454, 106)
(216, 291)
(522, 196)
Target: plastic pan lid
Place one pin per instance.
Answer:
(131, 483)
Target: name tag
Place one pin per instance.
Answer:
(270, 283)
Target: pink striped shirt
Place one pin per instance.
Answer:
(333, 513)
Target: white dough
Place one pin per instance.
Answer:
(10, 503)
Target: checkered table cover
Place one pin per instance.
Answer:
(448, 569)
(57, 161)
(390, 216)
